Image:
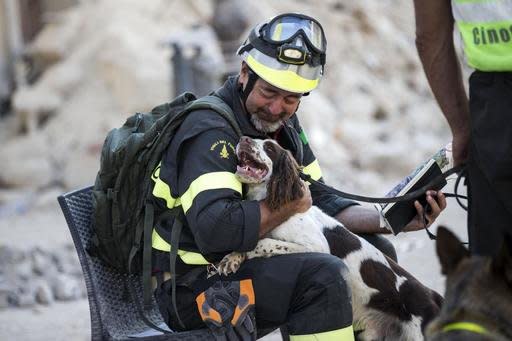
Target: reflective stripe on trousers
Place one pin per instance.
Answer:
(344, 334)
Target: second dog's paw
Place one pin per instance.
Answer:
(230, 263)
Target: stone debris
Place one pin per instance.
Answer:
(28, 277)
(372, 120)
(373, 108)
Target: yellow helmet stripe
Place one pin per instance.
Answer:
(283, 79)
(209, 181)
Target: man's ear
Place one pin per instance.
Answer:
(450, 250)
(244, 74)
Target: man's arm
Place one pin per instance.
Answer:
(434, 41)
(360, 219)
(270, 219)
(212, 196)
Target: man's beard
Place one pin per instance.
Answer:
(264, 126)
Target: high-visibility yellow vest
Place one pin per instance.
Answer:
(486, 29)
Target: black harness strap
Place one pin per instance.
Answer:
(175, 237)
(146, 255)
(461, 170)
(412, 195)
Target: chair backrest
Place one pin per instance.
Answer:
(114, 316)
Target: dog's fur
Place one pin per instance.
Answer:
(387, 302)
(478, 290)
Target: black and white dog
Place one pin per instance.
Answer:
(388, 303)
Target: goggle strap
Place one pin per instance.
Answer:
(255, 42)
(246, 48)
(253, 77)
(271, 51)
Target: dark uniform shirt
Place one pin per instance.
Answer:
(198, 167)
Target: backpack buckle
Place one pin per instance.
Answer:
(111, 194)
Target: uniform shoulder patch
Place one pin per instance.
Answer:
(223, 148)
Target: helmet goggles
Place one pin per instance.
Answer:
(289, 52)
(299, 38)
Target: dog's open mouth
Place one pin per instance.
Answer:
(249, 169)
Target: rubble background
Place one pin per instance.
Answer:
(371, 122)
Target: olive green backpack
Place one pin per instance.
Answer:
(123, 213)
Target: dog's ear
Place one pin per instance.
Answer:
(284, 185)
(502, 263)
(449, 249)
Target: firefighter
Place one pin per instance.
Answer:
(482, 126)
(283, 60)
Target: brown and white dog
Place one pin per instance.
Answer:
(387, 302)
(478, 304)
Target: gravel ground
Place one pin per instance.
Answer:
(70, 320)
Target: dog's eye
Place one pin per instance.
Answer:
(268, 147)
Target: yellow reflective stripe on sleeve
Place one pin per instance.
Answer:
(162, 190)
(344, 334)
(156, 173)
(191, 258)
(209, 181)
(159, 243)
(313, 170)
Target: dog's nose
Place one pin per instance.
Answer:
(245, 139)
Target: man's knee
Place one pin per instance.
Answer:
(323, 297)
(329, 269)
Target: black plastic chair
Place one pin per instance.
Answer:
(114, 316)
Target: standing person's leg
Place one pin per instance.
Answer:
(490, 161)
(306, 292)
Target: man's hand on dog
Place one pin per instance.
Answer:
(303, 204)
(273, 218)
(437, 203)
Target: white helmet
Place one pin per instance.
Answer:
(287, 52)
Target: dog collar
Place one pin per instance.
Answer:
(468, 326)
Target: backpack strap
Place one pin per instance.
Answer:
(175, 237)
(178, 215)
(219, 106)
(149, 214)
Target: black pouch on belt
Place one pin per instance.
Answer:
(227, 308)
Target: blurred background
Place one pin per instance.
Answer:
(71, 70)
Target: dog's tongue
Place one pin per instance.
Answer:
(249, 171)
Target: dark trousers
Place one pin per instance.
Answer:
(490, 161)
(306, 292)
